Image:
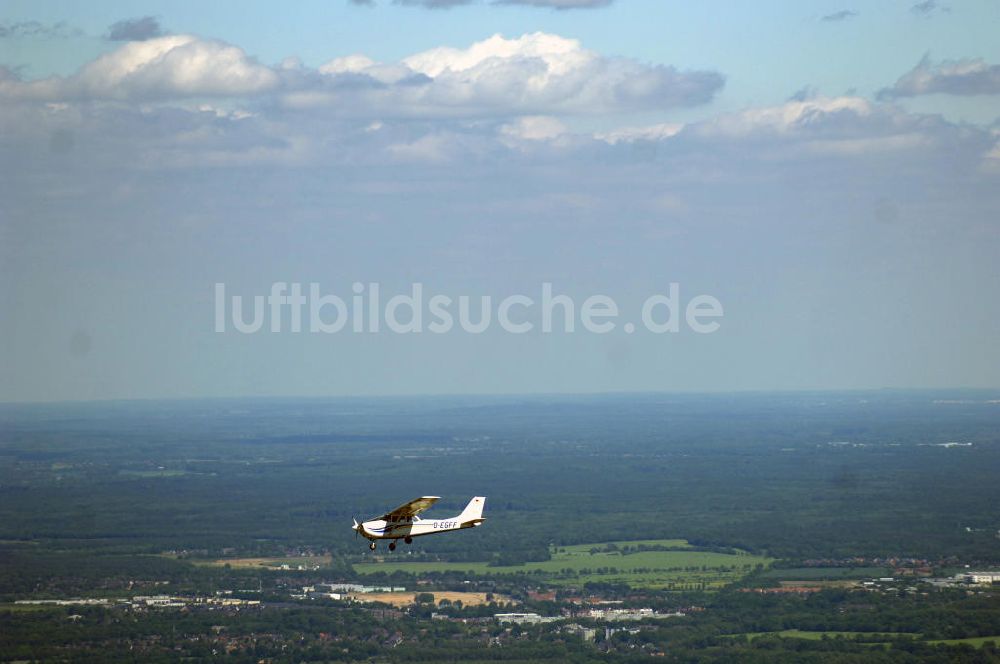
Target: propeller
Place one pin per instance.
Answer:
(357, 528)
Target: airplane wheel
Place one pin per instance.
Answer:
(408, 540)
(392, 546)
(372, 546)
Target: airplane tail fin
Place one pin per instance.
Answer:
(472, 515)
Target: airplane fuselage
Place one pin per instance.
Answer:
(403, 522)
(415, 527)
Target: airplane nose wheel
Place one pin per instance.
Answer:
(392, 546)
(372, 546)
(408, 540)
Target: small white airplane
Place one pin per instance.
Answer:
(403, 522)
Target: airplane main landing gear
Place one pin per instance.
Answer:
(392, 546)
(408, 539)
(372, 546)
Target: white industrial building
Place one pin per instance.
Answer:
(522, 618)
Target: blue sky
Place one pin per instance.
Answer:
(850, 232)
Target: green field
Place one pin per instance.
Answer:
(815, 636)
(34, 608)
(974, 641)
(671, 566)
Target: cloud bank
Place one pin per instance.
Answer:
(534, 73)
(214, 104)
(953, 77)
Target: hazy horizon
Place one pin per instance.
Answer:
(805, 392)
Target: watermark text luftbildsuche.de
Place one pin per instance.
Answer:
(296, 307)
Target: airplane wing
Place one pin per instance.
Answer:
(412, 508)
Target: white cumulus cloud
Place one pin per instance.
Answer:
(536, 73)
(971, 76)
(165, 67)
(534, 128)
(656, 132)
(835, 126)
(793, 117)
